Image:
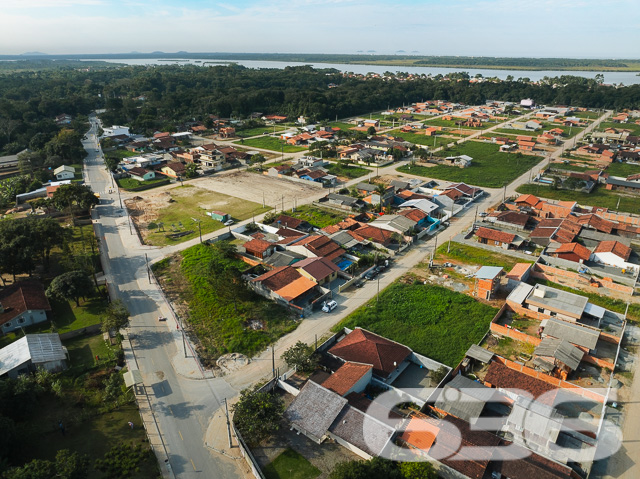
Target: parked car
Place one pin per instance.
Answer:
(371, 274)
(228, 222)
(329, 306)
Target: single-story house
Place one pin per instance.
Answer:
(259, 248)
(613, 253)
(344, 201)
(320, 270)
(22, 304)
(377, 235)
(286, 284)
(64, 172)
(570, 251)
(141, 174)
(495, 238)
(33, 352)
(174, 169)
(287, 221)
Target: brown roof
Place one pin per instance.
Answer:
(289, 233)
(576, 248)
(501, 376)
(137, 171)
(495, 235)
(614, 247)
(346, 377)
(595, 221)
(516, 462)
(318, 268)
(413, 214)
(21, 297)
(528, 199)
(321, 245)
(286, 282)
(519, 219)
(177, 167)
(257, 246)
(288, 221)
(375, 234)
(361, 346)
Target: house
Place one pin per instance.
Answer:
(227, 132)
(347, 239)
(570, 252)
(487, 281)
(345, 202)
(574, 333)
(495, 237)
(614, 253)
(115, 130)
(33, 352)
(510, 219)
(617, 183)
(320, 270)
(279, 170)
(293, 223)
(422, 204)
(64, 172)
(464, 398)
(387, 357)
(400, 224)
(462, 161)
(557, 355)
(283, 258)
(141, 174)
(377, 235)
(285, 284)
(317, 246)
(259, 248)
(416, 215)
(174, 169)
(22, 304)
(63, 119)
(527, 145)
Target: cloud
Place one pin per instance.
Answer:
(28, 4)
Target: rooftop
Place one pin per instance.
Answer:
(39, 348)
(557, 300)
(573, 333)
(20, 297)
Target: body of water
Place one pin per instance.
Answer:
(626, 78)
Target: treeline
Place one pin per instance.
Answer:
(154, 98)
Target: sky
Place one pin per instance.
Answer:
(512, 28)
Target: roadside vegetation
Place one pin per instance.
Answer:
(431, 320)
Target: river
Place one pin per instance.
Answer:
(626, 78)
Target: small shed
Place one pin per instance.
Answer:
(487, 281)
(31, 352)
(219, 215)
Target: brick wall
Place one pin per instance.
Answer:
(512, 333)
(557, 275)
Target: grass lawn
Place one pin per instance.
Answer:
(422, 139)
(193, 202)
(569, 131)
(221, 326)
(290, 465)
(452, 124)
(431, 320)
(489, 168)
(342, 125)
(131, 183)
(590, 115)
(635, 129)
(120, 154)
(69, 317)
(622, 169)
(259, 130)
(318, 217)
(350, 171)
(519, 132)
(471, 255)
(84, 349)
(270, 143)
(598, 197)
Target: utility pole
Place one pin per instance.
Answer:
(263, 199)
(129, 218)
(226, 408)
(378, 296)
(504, 193)
(449, 244)
(146, 260)
(273, 361)
(435, 247)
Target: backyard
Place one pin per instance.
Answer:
(598, 197)
(290, 465)
(431, 320)
(229, 319)
(489, 167)
(622, 169)
(167, 217)
(270, 143)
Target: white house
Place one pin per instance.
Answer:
(614, 253)
(64, 172)
(32, 352)
(22, 304)
(115, 130)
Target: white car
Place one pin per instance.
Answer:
(329, 306)
(228, 222)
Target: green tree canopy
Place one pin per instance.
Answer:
(116, 316)
(70, 286)
(74, 195)
(376, 468)
(301, 357)
(257, 414)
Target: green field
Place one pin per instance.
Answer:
(270, 143)
(318, 217)
(480, 256)
(121, 154)
(351, 171)
(220, 324)
(422, 139)
(258, 130)
(598, 197)
(193, 202)
(489, 168)
(635, 129)
(434, 321)
(511, 131)
(290, 465)
(342, 125)
(569, 131)
(131, 183)
(622, 169)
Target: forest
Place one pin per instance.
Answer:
(152, 98)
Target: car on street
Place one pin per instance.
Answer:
(371, 274)
(229, 222)
(329, 306)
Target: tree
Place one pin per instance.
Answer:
(301, 357)
(122, 460)
(116, 316)
(376, 468)
(70, 286)
(418, 470)
(71, 465)
(371, 131)
(111, 163)
(74, 195)
(438, 375)
(191, 170)
(258, 159)
(257, 414)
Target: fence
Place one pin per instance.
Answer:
(88, 331)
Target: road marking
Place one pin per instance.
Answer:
(171, 410)
(181, 435)
(162, 387)
(194, 466)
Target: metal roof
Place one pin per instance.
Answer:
(464, 398)
(573, 333)
(593, 310)
(39, 348)
(557, 300)
(488, 272)
(536, 419)
(561, 350)
(520, 293)
(314, 409)
(481, 354)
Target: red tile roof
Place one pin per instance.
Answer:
(576, 248)
(518, 271)
(595, 221)
(413, 214)
(321, 245)
(286, 282)
(21, 297)
(495, 235)
(614, 247)
(257, 246)
(346, 376)
(318, 268)
(375, 234)
(528, 199)
(288, 221)
(500, 376)
(364, 347)
(421, 433)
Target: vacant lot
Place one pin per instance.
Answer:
(489, 168)
(622, 169)
(318, 217)
(131, 183)
(234, 320)
(178, 207)
(452, 124)
(419, 138)
(598, 197)
(270, 143)
(290, 465)
(635, 129)
(431, 320)
(344, 171)
(591, 115)
(259, 130)
(470, 255)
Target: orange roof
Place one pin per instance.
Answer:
(579, 250)
(346, 376)
(296, 288)
(614, 247)
(420, 433)
(495, 235)
(531, 200)
(257, 245)
(518, 270)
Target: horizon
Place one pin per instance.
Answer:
(489, 28)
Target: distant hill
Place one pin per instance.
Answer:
(26, 54)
